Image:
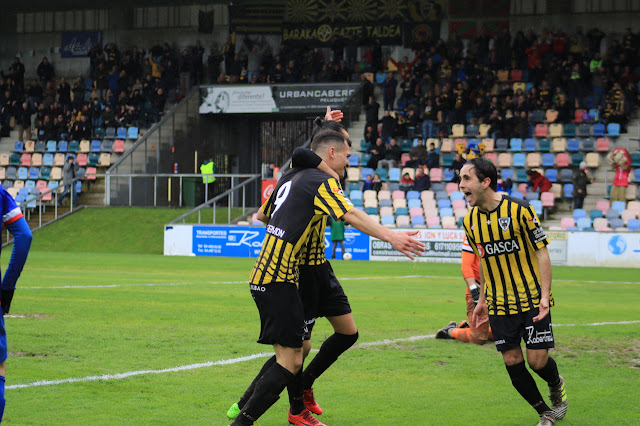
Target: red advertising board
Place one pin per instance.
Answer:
(267, 189)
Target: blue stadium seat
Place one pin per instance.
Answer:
(417, 221)
(613, 129)
(635, 159)
(588, 144)
(530, 145)
(45, 173)
(456, 195)
(548, 159)
(96, 145)
(388, 220)
(371, 210)
(576, 159)
(441, 195)
(34, 173)
(636, 174)
(612, 214)
(520, 176)
(23, 173)
(567, 190)
(132, 133)
(110, 133)
(62, 146)
(583, 223)
(415, 195)
(619, 206)
(18, 146)
(364, 158)
(437, 187)
(447, 159)
(537, 206)
(354, 160)
(446, 211)
(448, 175)
(595, 214)
(444, 203)
(551, 174)
(579, 213)
(530, 196)
(544, 145)
(583, 130)
(405, 145)
(566, 175)
(382, 172)
(573, 145)
(47, 159)
(385, 203)
(506, 174)
(598, 130)
(518, 195)
(569, 130)
(502, 145)
(41, 146)
(355, 194)
(515, 145)
(107, 146)
(402, 211)
(634, 225)
(364, 145)
(121, 133)
(52, 146)
(366, 171)
(394, 174)
(519, 159)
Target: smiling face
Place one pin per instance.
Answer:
(471, 187)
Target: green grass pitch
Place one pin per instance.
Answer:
(98, 300)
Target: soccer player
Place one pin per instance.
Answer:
(321, 295)
(515, 273)
(14, 221)
(303, 196)
(471, 331)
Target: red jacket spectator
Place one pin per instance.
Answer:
(539, 182)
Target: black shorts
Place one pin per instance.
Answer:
(281, 314)
(509, 329)
(321, 294)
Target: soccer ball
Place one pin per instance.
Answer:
(346, 256)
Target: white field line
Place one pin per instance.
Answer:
(230, 361)
(341, 279)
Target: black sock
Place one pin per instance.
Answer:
(523, 381)
(296, 400)
(252, 386)
(267, 392)
(329, 352)
(549, 373)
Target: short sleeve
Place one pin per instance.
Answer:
(532, 229)
(10, 210)
(330, 199)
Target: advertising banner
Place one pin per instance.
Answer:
(237, 99)
(267, 188)
(78, 44)
(283, 98)
(324, 34)
(229, 241)
(355, 242)
(604, 249)
(558, 247)
(442, 245)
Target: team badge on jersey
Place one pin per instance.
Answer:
(504, 223)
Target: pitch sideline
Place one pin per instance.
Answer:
(230, 361)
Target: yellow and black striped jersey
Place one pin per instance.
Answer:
(296, 210)
(506, 239)
(312, 253)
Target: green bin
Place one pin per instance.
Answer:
(191, 191)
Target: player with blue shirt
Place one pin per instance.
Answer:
(16, 224)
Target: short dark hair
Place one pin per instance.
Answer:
(320, 125)
(485, 169)
(327, 138)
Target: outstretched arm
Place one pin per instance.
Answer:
(401, 241)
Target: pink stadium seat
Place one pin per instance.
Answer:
(397, 195)
(542, 130)
(451, 187)
(562, 159)
(118, 145)
(416, 211)
(602, 205)
(449, 222)
(602, 144)
(435, 174)
(433, 221)
(459, 204)
(491, 156)
(601, 224)
(548, 199)
(567, 222)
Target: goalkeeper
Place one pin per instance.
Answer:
(469, 331)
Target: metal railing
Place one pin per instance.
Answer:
(168, 189)
(151, 153)
(38, 204)
(229, 196)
